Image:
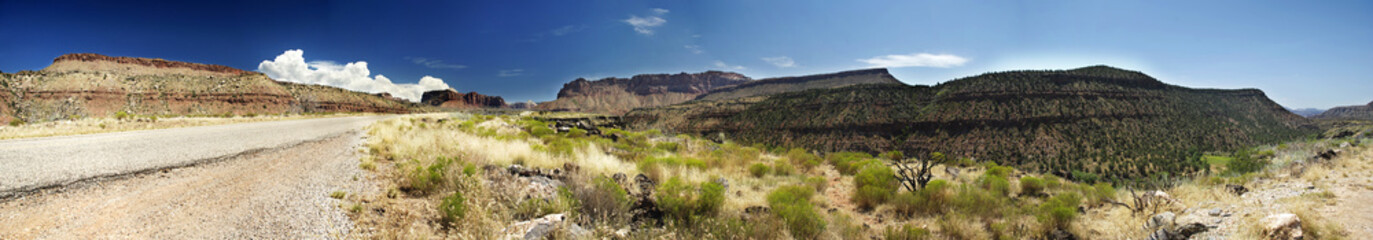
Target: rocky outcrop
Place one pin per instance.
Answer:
(449, 98)
(1284, 226)
(92, 85)
(1364, 112)
(794, 84)
(619, 95)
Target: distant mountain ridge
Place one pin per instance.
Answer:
(791, 84)
(449, 98)
(1307, 112)
(619, 95)
(93, 85)
(1363, 112)
(1099, 119)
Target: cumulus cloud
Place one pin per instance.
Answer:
(916, 60)
(645, 25)
(291, 66)
(434, 63)
(781, 62)
(721, 64)
(510, 73)
(695, 49)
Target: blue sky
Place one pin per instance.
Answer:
(1302, 53)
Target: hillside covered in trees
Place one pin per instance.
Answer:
(1099, 120)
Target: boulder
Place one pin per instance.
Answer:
(538, 228)
(1237, 189)
(1161, 221)
(1283, 226)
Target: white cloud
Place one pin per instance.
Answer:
(645, 25)
(695, 49)
(291, 66)
(916, 60)
(510, 73)
(434, 63)
(721, 64)
(781, 62)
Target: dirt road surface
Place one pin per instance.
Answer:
(259, 181)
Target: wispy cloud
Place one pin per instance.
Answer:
(565, 30)
(781, 62)
(722, 65)
(916, 60)
(645, 25)
(695, 49)
(510, 72)
(434, 63)
(291, 66)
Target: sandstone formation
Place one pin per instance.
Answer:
(794, 84)
(92, 85)
(449, 98)
(619, 95)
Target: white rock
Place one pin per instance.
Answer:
(1282, 226)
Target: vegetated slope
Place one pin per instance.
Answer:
(1364, 112)
(449, 98)
(1099, 119)
(792, 84)
(619, 95)
(81, 85)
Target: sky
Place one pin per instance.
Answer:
(1303, 54)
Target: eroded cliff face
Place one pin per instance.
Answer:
(92, 85)
(1364, 112)
(619, 95)
(795, 84)
(449, 98)
(1103, 120)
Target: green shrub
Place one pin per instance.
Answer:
(906, 232)
(1031, 186)
(453, 208)
(16, 122)
(1099, 193)
(976, 201)
(847, 162)
(576, 133)
(996, 184)
(1085, 177)
(758, 169)
(792, 205)
(782, 168)
(819, 183)
(685, 202)
(804, 158)
(338, 194)
(1059, 211)
(537, 131)
(121, 115)
(564, 201)
(933, 199)
(667, 146)
(1245, 162)
(875, 184)
(426, 179)
(892, 155)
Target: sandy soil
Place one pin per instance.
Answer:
(276, 194)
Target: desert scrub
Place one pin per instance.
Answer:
(453, 207)
(686, 202)
(803, 158)
(759, 170)
(1058, 211)
(931, 200)
(564, 201)
(906, 232)
(781, 167)
(847, 162)
(1031, 186)
(792, 205)
(338, 194)
(875, 183)
(602, 200)
(427, 178)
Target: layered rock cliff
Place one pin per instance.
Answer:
(449, 98)
(619, 95)
(93, 85)
(1108, 121)
(794, 84)
(1364, 112)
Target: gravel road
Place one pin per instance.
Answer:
(268, 180)
(30, 164)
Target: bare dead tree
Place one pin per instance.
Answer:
(914, 173)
